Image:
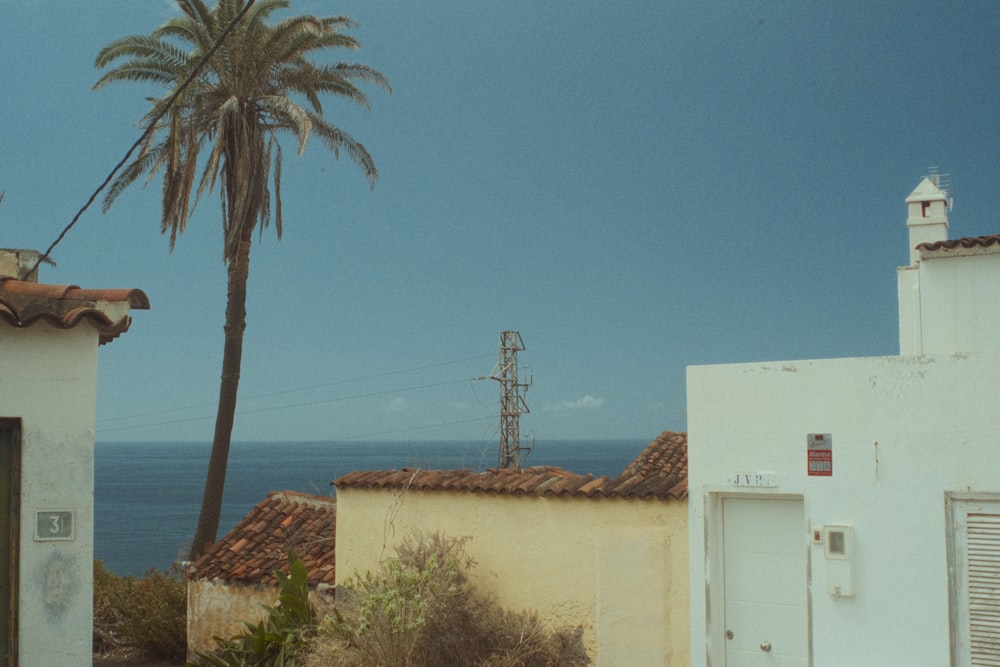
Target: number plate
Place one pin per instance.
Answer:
(54, 525)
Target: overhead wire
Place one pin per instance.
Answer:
(306, 388)
(271, 408)
(146, 133)
(411, 429)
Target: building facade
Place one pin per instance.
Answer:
(837, 506)
(605, 555)
(49, 336)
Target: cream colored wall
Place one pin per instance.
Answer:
(219, 610)
(49, 380)
(617, 568)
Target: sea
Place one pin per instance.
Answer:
(147, 495)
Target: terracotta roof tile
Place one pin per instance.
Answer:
(24, 303)
(259, 544)
(660, 471)
(667, 455)
(953, 244)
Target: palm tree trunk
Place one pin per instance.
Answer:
(237, 273)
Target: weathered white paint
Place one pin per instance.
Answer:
(957, 293)
(18, 262)
(218, 609)
(906, 430)
(616, 568)
(222, 609)
(49, 380)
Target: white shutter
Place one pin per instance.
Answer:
(983, 581)
(977, 580)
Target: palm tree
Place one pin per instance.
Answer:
(225, 122)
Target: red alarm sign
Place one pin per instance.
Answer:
(820, 454)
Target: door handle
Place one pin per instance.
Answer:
(765, 646)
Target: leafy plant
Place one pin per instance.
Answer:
(278, 639)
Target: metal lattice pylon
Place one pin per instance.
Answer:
(512, 404)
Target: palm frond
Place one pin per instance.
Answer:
(291, 116)
(292, 38)
(339, 22)
(135, 46)
(359, 72)
(337, 140)
(187, 31)
(143, 163)
(145, 70)
(262, 9)
(277, 187)
(196, 11)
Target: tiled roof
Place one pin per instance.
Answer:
(24, 303)
(660, 471)
(664, 460)
(259, 544)
(967, 243)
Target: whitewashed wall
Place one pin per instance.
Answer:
(49, 380)
(934, 419)
(954, 297)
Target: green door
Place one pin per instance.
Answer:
(10, 486)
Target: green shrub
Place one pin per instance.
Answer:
(420, 609)
(109, 589)
(147, 615)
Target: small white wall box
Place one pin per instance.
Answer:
(838, 548)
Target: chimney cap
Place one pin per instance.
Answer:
(927, 191)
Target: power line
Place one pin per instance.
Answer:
(146, 133)
(272, 408)
(411, 429)
(374, 376)
(307, 388)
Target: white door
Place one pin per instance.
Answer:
(764, 561)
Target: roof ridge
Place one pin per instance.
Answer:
(23, 303)
(655, 472)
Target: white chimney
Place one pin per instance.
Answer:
(928, 216)
(17, 263)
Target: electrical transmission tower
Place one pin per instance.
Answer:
(512, 404)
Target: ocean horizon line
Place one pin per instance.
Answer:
(369, 441)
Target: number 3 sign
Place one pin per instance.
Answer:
(53, 525)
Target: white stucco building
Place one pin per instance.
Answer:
(847, 511)
(49, 335)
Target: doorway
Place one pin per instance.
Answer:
(765, 561)
(10, 514)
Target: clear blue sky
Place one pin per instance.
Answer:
(634, 186)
